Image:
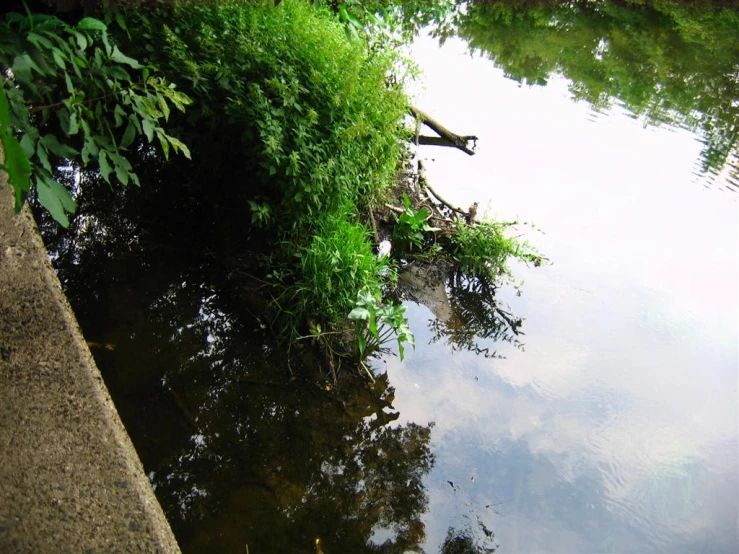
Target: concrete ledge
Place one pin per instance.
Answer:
(70, 479)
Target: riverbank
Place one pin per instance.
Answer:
(72, 481)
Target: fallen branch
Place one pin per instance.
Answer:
(446, 137)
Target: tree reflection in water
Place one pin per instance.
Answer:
(467, 313)
(667, 62)
(242, 445)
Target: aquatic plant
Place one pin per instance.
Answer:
(482, 250)
(376, 324)
(411, 226)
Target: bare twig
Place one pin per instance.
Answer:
(445, 203)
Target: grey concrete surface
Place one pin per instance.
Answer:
(70, 480)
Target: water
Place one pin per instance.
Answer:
(616, 429)
(610, 426)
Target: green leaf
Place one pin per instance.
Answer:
(120, 57)
(179, 99)
(121, 22)
(91, 24)
(39, 41)
(118, 73)
(62, 150)
(68, 81)
(163, 106)
(359, 313)
(361, 345)
(28, 144)
(122, 174)
(89, 150)
(98, 58)
(106, 44)
(22, 68)
(129, 135)
(118, 115)
(58, 58)
(105, 168)
(74, 124)
(164, 142)
(55, 198)
(179, 146)
(43, 156)
(373, 325)
(17, 166)
(80, 38)
(4, 112)
(149, 129)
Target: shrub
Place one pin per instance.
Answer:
(283, 101)
(482, 250)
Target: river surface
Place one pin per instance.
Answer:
(614, 428)
(609, 425)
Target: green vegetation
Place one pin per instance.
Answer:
(336, 265)
(482, 250)
(70, 95)
(411, 227)
(376, 324)
(291, 122)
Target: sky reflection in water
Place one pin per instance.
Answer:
(616, 428)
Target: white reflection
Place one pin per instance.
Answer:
(617, 427)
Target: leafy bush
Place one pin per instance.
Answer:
(306, 119)
(284, 101)
(410, 227)
(67, 92)
(377, 324)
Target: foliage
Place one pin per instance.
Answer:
(284, 101)
(410, 226)
(377, 323)
(309, 121)
(261, 213)
(482, 250)
(667, 62)
(332, 270)
(402, 19)
(73, 96)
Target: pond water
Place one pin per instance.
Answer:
(610, 425)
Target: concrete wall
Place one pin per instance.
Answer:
(70, 480)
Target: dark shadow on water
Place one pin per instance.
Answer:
(243, 444)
